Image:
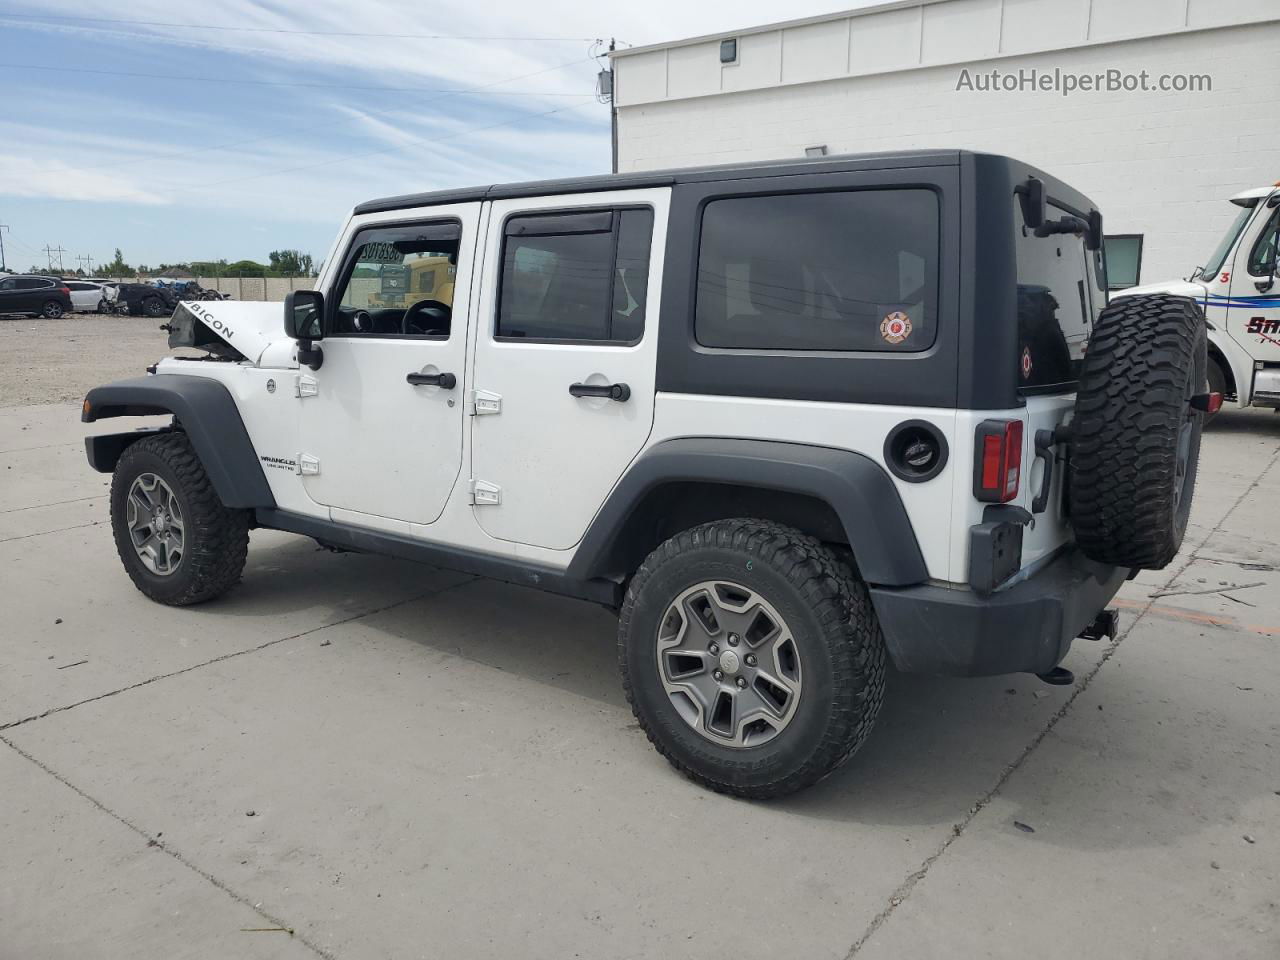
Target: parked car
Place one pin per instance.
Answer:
(36, 296)
(145, 299)
(791, 421)
(90, 296)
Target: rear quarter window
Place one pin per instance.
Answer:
(833, 271)
(1061, 291)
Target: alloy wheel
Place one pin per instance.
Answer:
(156, 526)
(729, 664)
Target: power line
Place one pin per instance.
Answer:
(45, 18)
(282, 83)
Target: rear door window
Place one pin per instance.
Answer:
(1061, 290)
(575, 277)
(833, 271)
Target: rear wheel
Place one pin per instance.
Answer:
(1136, 437)
(751, 657)
(51, 310)
(177, 541)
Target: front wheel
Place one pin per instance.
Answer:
(751, 657)
(152, 307)
(178, 542)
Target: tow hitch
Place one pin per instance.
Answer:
(1105, 625)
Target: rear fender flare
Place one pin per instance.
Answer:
(859, 491)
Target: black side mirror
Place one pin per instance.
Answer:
(1035, 204)
(304, 321)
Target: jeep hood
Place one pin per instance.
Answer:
(1179, 288)
(227, 328)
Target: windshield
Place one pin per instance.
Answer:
(1219, 256)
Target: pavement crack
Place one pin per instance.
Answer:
(154, 842)
(908, 885)
(55, 503)
(435, 591)
(1207, 590)
(45, 533)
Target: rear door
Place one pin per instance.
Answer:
(1061, 291)
(31, 290)
(564, 358)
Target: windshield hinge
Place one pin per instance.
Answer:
(308, 466)
(305, 386)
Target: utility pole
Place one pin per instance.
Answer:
(49, 252)
(3, 228)
(88, 260)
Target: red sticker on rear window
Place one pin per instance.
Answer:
(895, 327)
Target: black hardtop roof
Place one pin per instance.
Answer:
(666, 178)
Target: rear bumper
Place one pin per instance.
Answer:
(1027, 628)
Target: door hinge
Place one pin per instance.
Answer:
(484, 494)
(483, 402)
(308, 466)
(305, 386)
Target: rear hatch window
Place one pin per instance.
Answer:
(1061, 291)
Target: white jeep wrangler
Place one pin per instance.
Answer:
(1237, 291)
(792, 421)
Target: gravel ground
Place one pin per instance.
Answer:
(57, 361)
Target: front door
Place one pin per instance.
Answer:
(1253, 308)
(564, 359)
(10, 296)
(381, 420)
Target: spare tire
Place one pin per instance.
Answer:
(1135, 436)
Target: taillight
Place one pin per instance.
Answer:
(66, 290)
(997, 467)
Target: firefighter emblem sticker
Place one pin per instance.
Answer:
(1026, 363)
(895, 327)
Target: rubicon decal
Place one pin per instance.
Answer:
(895, 327)
(205, 316)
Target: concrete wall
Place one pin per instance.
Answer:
(1159, 164)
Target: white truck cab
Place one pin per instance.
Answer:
(1237, 291)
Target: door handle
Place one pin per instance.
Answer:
(445, 380)
(1044, 444)
(607, 391)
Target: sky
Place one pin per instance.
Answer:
(225, 131)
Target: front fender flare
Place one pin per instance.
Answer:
(207, 413)
(858, 489)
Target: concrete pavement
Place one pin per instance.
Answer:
(353, 757)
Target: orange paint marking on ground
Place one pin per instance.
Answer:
(1194, 616)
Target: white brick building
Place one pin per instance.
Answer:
(1159, 164)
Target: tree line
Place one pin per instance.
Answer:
(281, 263)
